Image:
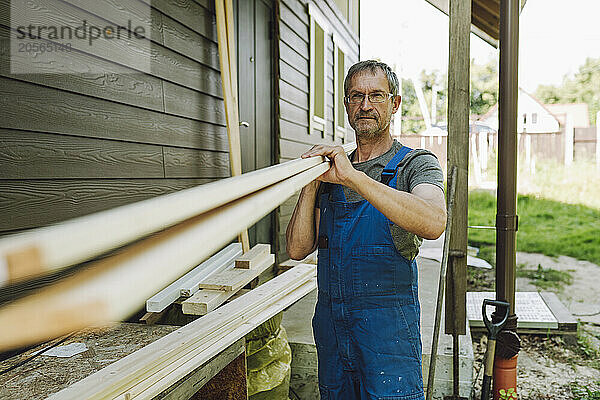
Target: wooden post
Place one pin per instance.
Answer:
(598, 141)
(227, 61)
(569, 136)
(458, 156)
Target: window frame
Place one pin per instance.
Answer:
(339, 45)
(317, 18)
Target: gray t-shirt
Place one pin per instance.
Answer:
(418, 166)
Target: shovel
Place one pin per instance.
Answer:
(493, 330)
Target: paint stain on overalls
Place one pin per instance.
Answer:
(366, 322)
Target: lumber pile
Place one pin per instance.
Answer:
(289, 264)
(149, 371)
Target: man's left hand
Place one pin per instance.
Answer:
(341, 170)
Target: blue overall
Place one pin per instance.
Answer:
(366, 323)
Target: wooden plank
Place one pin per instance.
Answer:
(116, 227)
(115, 82)
(80, 115)
(103, 291)
(188, 386)
(131, 52)
(293, 21)
(35, 203)
(458, 155)
(190, 163)
(199, 18)
(566, 321)
(293, 76)
(293, 113)
(33, 155)
(169, 359)
(190, 103)
(184, 40)
(152, 318)
(226, 260)
(289, 148)
(293, 95)
(190, 280)
(253, 257)
(299, 8)
(295, 41)
(292, 57)
(234, 279)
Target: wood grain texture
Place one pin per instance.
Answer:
(293, 76)
(293, 21)
(115, 82)
(293, 95)
(31, 107)
(253, 257)
(199, 18)
(33, 203)
(292, 57)
(33, 155)
(292, 39)
(458, 155)
(293, 113)
(190, 163)
(189, 103)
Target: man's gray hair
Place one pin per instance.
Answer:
(372, 66)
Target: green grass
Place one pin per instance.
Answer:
(546, 226)
(582, 391)
(545, 278)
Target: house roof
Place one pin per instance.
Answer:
(485, 17)
(579, 112)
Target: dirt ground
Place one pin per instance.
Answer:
(554, 367)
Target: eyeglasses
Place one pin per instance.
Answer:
(357, 98)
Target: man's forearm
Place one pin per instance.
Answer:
(300, 233)
(406, 210)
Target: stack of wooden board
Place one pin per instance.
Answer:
(217, 288)
(288, 264)
(153, 369)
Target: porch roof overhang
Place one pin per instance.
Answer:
(485, 17)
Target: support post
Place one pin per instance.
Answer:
(569, 138)
(458, 155)
(508, 344)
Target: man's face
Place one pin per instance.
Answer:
(370, 120)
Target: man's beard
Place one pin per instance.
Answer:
(371, 130)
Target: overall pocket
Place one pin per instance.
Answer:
(375, 270)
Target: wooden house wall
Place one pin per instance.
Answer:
(76, 144)
(293, 82)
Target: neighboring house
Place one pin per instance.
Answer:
(73, 144)
(579, 113)
(534, 117)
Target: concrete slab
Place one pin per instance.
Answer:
(297, 322)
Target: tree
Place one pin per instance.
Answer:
(484, 86)
(583, 87)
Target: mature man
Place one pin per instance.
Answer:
(372, 213)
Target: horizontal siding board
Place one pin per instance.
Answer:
(185, 41)
(120, 13)
(292, 149)
(36, 108)
(34, 203)
(293, 40)
(293, 77)
(293, 95)
(32, 155)
(189, 13)
(296, 24)
(293, 113)
(297, 133)
(290, 56)
(297, 7)
(163, 63)
(189, 163)
(115, 82)
(189, 103)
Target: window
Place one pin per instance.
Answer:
(318, 71)
(534, 118)
(340, 66)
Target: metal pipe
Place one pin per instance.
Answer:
(506, 218)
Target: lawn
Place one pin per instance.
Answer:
(546, 226)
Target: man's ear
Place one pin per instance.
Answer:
(396, 104)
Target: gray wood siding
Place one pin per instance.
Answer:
(293, 83)
(72, 144)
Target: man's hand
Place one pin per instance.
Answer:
(341, 170)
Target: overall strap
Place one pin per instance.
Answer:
(390, 169)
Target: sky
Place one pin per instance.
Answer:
(555, 38)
